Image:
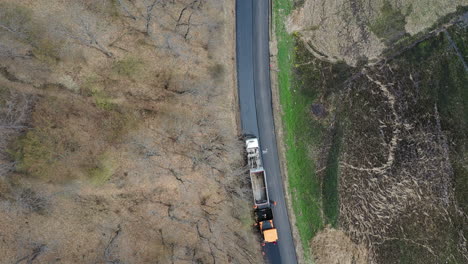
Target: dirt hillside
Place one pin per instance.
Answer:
(354, 30)
(119, 140)
(385, 121)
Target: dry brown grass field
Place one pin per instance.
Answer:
(118, 134)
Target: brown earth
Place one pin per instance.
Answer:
(398, 100)
(119, 135)
(354, 30)
(331, 246)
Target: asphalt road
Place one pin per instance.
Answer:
(253, 60)
(245, 73)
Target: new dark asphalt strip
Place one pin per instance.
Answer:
(244, 48)
(257, 113)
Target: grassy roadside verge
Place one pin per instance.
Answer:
(304, 186)
(312, 140)
(319, 124)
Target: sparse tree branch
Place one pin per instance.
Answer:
(86, 36)
(107, 250)
(125, 9)
(31, 257)
(149, 14)
(15, 32)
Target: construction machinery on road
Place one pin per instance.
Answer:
(262, 204)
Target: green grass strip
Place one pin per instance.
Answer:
(304, 186)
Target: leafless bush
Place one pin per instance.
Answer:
(84, 30)
(15, 108)
(237, 175)
(108, 251)
(37, 249)
(29, 200)
(173, 20)
(8, 51)
(238, 184)
(20, 23)
(16, 20)
(217, 72)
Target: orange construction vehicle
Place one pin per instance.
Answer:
(264, 218)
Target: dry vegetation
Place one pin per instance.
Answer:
(118, 134)
(334, 247)
(396, 186)
(383, 121)
(356, 30)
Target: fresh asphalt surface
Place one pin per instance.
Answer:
(253, 60)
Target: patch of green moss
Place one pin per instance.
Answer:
(217, 72)
(127, 67)
(330, 182)
(390, 25)
(93, 87)
(4, 93)
(34, 152)
(119, 123)
(298, 3)
(102, 100)
(459, 35)
(104, 169)
(30, 30)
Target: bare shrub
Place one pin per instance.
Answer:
(85, 30)
(127, 67)
(217, 72)
(15, 108)
(174, 21)
(29, 200)
(19, 21)
(37, 249)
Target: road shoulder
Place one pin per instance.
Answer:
(277, 116)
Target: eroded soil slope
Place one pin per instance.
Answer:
(387, 140)
(357, 30)
(118, 134)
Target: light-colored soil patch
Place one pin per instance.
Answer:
(349, 30)
(331, 246)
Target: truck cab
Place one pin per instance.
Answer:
(253, 153)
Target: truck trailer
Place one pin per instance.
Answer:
(257, 174)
